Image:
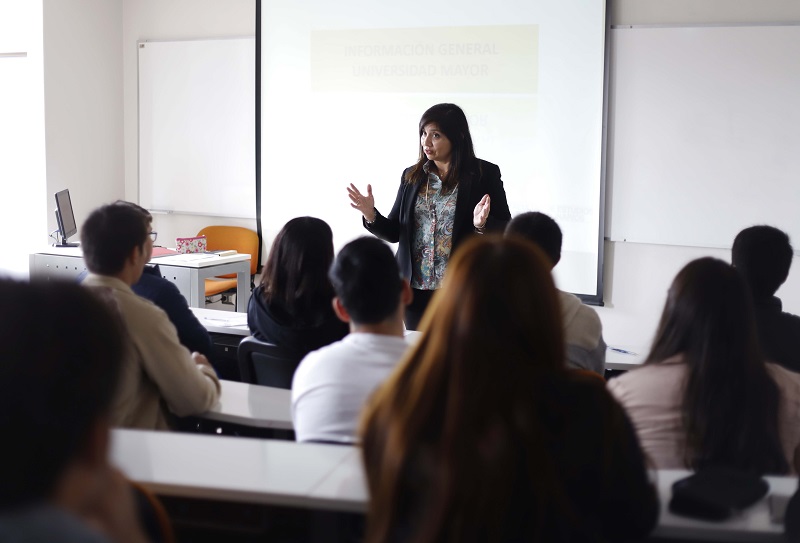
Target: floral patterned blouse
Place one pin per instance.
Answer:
(434, 213)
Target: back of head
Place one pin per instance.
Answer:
(137, 207)
(61, 352)
(763, 255)
(109, 235)
(296, 273)
(366, 278)
(464, 401)
(730, 402)
(539, 228)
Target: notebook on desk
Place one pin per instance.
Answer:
(163, 251)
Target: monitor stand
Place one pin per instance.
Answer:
(64, 243)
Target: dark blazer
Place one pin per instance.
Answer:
(778, 333)
(300, 335)
(399, 225)
(162, 292)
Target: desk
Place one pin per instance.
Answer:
(616, 360)
(330, 477)
(245, 470)
(188, 272)
(196, 268)
(753, 525)
(222, 322)
(252, 405)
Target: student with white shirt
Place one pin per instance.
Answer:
(332, 384)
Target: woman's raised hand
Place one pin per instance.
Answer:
(481, 212)
(364, 203)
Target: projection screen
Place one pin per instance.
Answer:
(343, 85)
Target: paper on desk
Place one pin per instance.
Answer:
(190, 257)
(238, 319)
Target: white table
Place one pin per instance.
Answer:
(344, 489)
(330, 477)
(221, 468)
(222, 322)
(753, 524)
(252, 405)
(191, 270)
(633, 357)
(188, 271)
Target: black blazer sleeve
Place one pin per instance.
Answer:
(491, 183)
(388, 228)
(398, 226)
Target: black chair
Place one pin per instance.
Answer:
(266, 364)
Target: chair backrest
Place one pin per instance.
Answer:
(243, 240)
(589, 374)
(266, 364)
(152, 514)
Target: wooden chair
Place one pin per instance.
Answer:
(242, 240)
(589, 374)
(153, 515)
(266, 364)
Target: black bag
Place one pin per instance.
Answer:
(715, 493)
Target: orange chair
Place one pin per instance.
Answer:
(589, 374)
(220, 238)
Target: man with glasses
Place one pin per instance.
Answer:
(117, 242)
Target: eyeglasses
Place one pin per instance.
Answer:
(153, 236)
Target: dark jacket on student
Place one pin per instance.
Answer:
(301, 334)
(778, 333)
(166, 295)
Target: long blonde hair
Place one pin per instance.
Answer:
(457, 428)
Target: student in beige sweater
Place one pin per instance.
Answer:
(117, 242)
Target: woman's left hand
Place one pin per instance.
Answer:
(481, 212)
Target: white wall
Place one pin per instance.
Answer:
(168, 20)
(83, 103)
(84, 149)
(22, 149)
(637, 276)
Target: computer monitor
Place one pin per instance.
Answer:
(65, 219)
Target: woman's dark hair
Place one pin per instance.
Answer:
(295, 276)
(452, 123)
(730, 403)
(458, 428)
(61, 349)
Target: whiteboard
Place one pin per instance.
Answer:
(705, 138)
(197, 126)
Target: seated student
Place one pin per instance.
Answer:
(291, 307)
(482, 434)
(165, 294)
(704, 395)
(117, 243)
(332, 383)
(61, 352)
(763, 256)
(583, 330)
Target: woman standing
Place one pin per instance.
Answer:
(483, 434)
(445, 197)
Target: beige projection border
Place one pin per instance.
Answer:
(469, 59)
